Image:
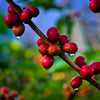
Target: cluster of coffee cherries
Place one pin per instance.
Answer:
(14, 21)
(95, 6)
(59, 42)
(86, 72)
(7, 95)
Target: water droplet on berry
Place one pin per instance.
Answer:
(76, 89)
(71, 55)
(18, 37)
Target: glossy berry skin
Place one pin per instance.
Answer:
(12, 11)
(11, 20)
(54, 50)
(63, 39)
(76, 82)
(53, 34)
(8, 96)
(80, 61)
(96, 67)
(35, 10)
(94, 6)
(40, 42)
(47, 62)
(43, 49)
(70, 47)
(18, 30)
(14, 93)
(86, 71)
(4, 90)
(26, 15)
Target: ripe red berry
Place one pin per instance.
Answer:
(11, 20)
(96, 66)
(86, 71)
(63, 39)
(35, 10)
(80, 61)
(54, 50)
(71, 47)
(8, 96)
(94, 6)
(76, 82)
(43, 49)
(53, 34)
(40, 42)
(47, 62)
(66, 87)
(4, 90)
(26, 15)
(21, 98)
(11, 10)
(18, 30)
(14, 93)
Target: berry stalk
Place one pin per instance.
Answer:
(62, 55)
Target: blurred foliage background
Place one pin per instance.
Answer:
(20, 61)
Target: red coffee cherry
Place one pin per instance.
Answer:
(47, 62)
(94, 6)
(11, 20)
(21, 97)
(4, 90)
(54, 50)
(76, 82)
(35, 10)
(14, 93)
(63, 39)
(40, 42)
(43, 49)
(87, 72)
(18, 30)
(66, 87)
(26, 15)
(80, 61)
(8, 96)
(71, 47)
(53, 34)
(96, 66)
(11, 10)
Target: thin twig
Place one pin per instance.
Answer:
(62, 55)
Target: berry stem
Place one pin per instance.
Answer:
(62, 55)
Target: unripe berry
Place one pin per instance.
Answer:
(96, 67)
(86, 71)
(14, 93)
(80, 61)
(35, 10)
(8, 96)
(11, 20)
(40, 42)
(18, 30)
(76, 82)
(70, 47)
(11, 10)
(4, 90)
(63, 39)
(26, 15)
(54, 50)
(47, 62)
(53, 34)
(43, 49)
(94, 6)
